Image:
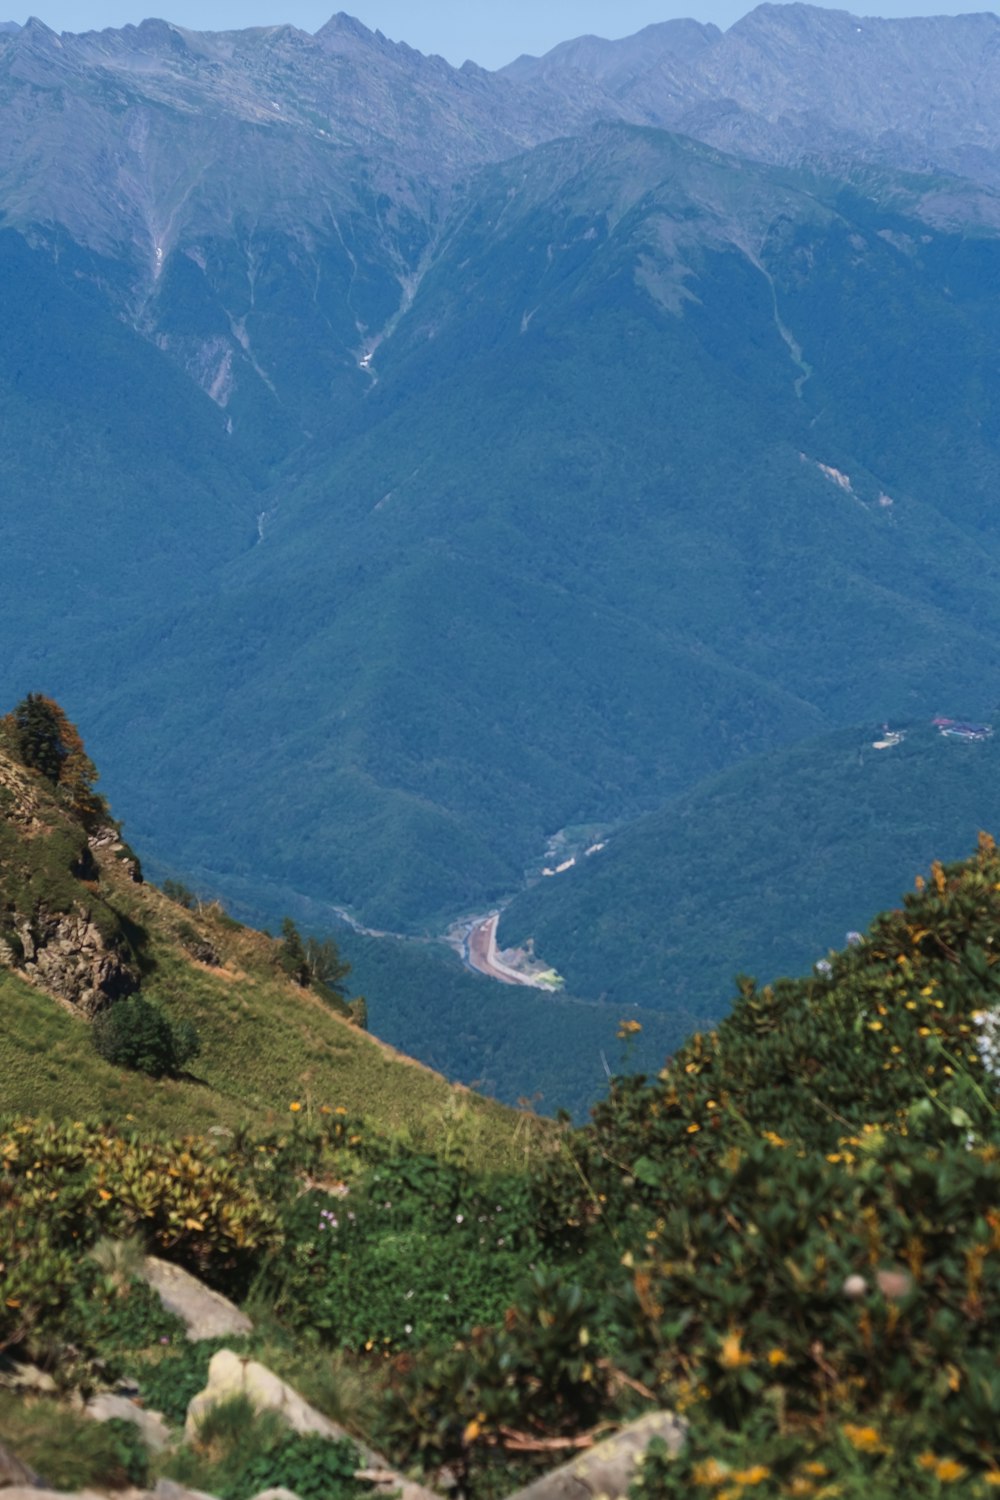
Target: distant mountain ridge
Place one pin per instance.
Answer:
(408, 462)
(793, 81)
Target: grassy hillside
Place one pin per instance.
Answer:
(266, 1042)
(790, 1237)
(761, 870)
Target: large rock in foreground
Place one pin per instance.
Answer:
(229, 1375)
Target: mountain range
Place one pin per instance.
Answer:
(404, 463)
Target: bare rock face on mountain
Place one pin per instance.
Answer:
(55, 925)
(68, 955)
(790, 82)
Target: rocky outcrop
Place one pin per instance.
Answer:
(204, 1313)
(68, 955)
(229, 1375)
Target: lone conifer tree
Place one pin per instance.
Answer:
(49, 743)
(37, 736)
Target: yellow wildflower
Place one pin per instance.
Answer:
(992, 1478)
(472, 1431)
(755, 1475)
(732, 1356)
(693, 1129)
(777, 1357)
(295, 1106)
(948, 1470)
(865, 1439)
(709, 1472)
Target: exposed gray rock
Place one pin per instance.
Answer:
(167, 1489)
(229, 1375)
(16, 1376)
(205, 1314)
(107, 1407)
(608, 1470)
(67, 954)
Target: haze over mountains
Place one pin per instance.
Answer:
(401, 463)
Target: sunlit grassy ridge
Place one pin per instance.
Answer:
(266, 1042)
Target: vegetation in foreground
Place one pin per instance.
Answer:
(791, 1235)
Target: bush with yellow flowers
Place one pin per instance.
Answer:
(816, 1194)
(63, 1186)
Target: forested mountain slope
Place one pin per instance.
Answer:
(424, 483)
(761, 870)
(748, 502)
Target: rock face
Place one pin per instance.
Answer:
(206, 1314)
(57, 923)
(67, 954)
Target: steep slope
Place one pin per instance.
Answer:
(763, 869)
(80, 932)
(793, 82)
(618, 65)
(122, 489)
(267, 196)
(673, 460)
(492, 507)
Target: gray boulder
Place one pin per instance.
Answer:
(204, 1313)
(229, 1375)
(107, 1407)
(608, 1470)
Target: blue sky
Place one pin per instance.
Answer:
(490, 31)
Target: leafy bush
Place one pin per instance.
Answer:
(136, 1034)
(417, 1251)
(64, 1186)
(504, 1390)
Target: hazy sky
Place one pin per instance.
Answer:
(491, 32)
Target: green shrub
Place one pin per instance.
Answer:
(64, 1186)
(418, 1251)
(180, 893)
(69, 1451)
(539, 1375)
(136, 1034)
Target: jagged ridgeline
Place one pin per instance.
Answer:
(790, 1238)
